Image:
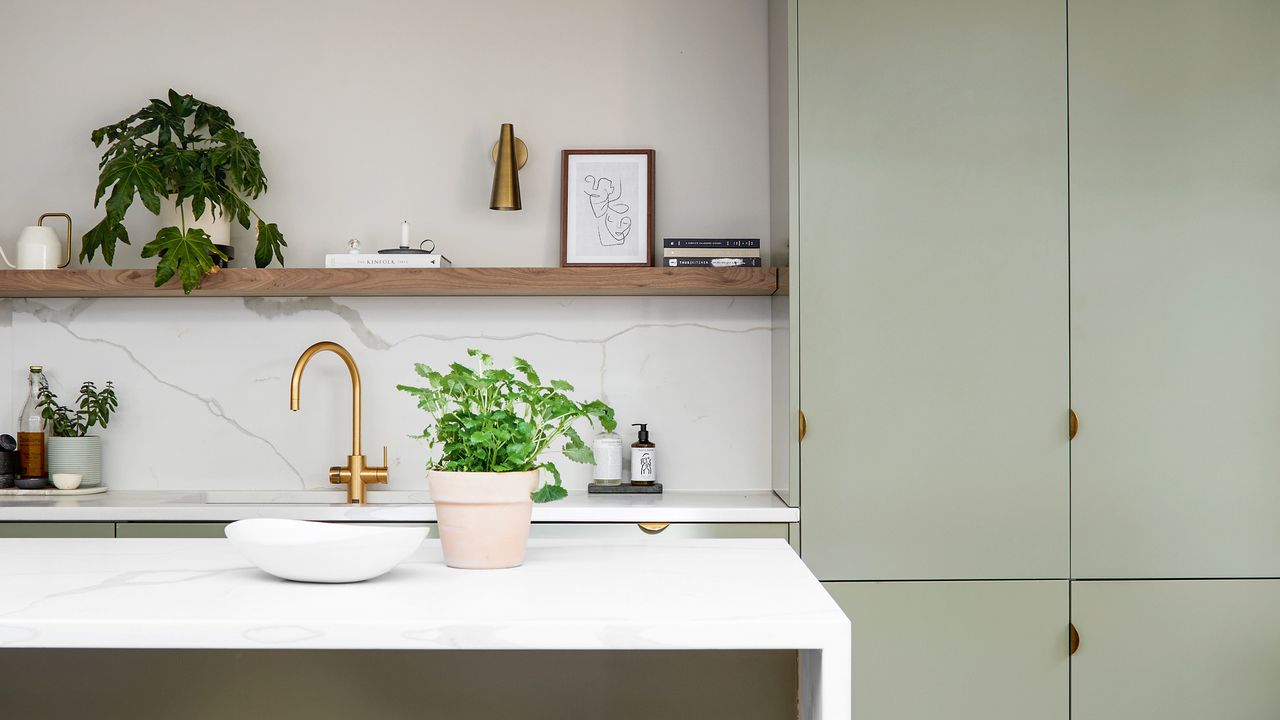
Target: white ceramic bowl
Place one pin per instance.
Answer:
(323, 552)
(66, 481)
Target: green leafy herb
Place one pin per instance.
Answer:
(96, 407)
(191, 150)
(489, 419)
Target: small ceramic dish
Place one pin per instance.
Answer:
(66, 481)
(323, 552)
(31, 483)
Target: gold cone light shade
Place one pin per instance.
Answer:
(506, 178)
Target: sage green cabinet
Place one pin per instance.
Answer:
(170, 530)
(539, 530)
(958, 650)
(1175, 255)
(1176, 649)
(932, 286)
(56, 530)
(635, 531)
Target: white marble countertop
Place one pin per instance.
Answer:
(569, 594)
(189, 506)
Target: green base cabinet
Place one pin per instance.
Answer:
(1176, 649)
(958, 650)
(57, 530)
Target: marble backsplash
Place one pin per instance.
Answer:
(204, 382)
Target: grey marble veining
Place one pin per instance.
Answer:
(204, 381)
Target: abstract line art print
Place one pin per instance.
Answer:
(612, 223)
(607, 215)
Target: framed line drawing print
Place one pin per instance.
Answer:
(606, 212)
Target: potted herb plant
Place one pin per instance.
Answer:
(71, 448)
(189, 164)
(491, 427)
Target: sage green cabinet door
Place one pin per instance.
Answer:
(170, 530)
(958, 650)
(1175, 274)
(1176, 649)
(57, 530)
(933, 288)
(634, 531)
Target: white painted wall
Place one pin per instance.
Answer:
(367, 113)
(373, 111)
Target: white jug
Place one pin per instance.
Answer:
(39, 248)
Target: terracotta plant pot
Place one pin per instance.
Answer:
(483, 517)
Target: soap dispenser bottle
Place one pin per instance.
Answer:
(644, 458)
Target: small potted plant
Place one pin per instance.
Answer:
(491, 427)
(71, 448)
(189, 164)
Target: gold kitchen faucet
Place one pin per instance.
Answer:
(357, 473)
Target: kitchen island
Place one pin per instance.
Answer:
(685, 595)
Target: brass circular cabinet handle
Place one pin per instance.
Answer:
(804, 426)
(652, 528)
(1073, 425)
(1073, 638)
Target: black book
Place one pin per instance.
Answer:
(711, 262)
(711, 243)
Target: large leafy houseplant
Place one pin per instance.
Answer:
(191, 150)
(490, 419)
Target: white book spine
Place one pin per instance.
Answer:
(370, 260)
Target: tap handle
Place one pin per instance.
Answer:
(385, 464)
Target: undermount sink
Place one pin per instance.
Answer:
(312, 497)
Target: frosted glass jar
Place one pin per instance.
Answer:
(607, 447)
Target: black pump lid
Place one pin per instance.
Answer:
(643, 436)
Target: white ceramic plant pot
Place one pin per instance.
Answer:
(218, 228)
(483, 518)
(78, 455)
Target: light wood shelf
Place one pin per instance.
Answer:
(385, 282)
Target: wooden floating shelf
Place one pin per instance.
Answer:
(398, 282)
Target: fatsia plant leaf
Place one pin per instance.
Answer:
(202, 190)
(103, 236)
(236, 208)
(270, 240)
(130, 174)
(211, 118)
(240, 156)
(189, 255)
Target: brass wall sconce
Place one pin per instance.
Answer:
(509, 154)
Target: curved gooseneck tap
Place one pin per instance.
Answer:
(295, 386)
(356, 474)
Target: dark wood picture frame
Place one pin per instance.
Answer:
(564, 207)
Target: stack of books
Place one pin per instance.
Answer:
(379, 260)
(711, 252)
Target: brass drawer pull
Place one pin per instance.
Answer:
(652, 528)
(804, 426)
(1073, 425)
(1073, 638)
